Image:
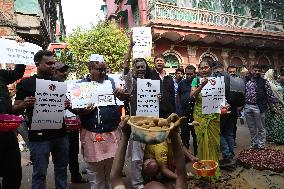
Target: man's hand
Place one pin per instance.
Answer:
(67, 104)
(204, 81)
(88, 109)
(29, 102)
(119, 93)
(19, 39)
(125, 127)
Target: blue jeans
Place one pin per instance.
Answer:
(59, 149)
(227, 135)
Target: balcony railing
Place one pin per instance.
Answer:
(212, 18)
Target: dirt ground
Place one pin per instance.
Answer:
(239, 178)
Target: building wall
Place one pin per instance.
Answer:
(6, 11)
(226, 56)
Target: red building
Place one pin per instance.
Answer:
(187, 31)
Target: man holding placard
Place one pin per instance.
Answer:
(167, 103)
(10, 157)
(99, 134)
(42, 98)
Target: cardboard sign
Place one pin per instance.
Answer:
(147, 97)
(49, 107)
(142, 37)
(213, 95)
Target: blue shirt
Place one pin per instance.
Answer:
(184, 89)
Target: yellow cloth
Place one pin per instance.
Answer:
(162, 153)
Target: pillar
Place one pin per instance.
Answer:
(191, 51)
(225, 56)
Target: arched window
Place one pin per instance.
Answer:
(171, 61)
(208, 56)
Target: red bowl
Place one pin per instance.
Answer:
(72, 124)
(10, 122)
(207, 171)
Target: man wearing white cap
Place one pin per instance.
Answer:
(99, 135)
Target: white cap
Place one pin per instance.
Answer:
(97, 58)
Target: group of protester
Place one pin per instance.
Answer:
(106, 138)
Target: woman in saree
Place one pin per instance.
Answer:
(274, 120)
(207, 126)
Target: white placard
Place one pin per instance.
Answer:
(80, 94)
(86, 93)
(103, 94)
(142, 37)
(119, 83)
(49, 107)
(147, 97)
(17, 53)
(213, 95)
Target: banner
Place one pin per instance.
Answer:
(49, 107)
(213, 95)
(17, 53)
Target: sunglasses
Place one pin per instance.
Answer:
(101, 69)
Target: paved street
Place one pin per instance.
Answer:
(242, 142)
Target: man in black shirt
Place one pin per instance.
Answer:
(167, 103)
(10, 157)
(43, 142)
(186, 107)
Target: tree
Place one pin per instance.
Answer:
(104, 39)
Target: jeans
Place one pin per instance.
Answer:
(186, 129)
(73, 137)
(227, 122)
(256, 125)
(23, 131)
(59, 149)
(10, 161)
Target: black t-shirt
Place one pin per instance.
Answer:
(27, 88)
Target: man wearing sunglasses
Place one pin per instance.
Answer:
(60, 74)
(43, 142)
(186, 107)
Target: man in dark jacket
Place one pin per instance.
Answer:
(258, 95)
(10, 157)
(226, 120)
(167, 103)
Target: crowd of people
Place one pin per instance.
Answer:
(105, 135)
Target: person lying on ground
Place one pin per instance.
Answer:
(118, 163)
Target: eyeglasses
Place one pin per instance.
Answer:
(101, 69)
(50, 63)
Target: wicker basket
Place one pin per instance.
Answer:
(144, 135)
(205, 172)
(10, 122)
(72, 124)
